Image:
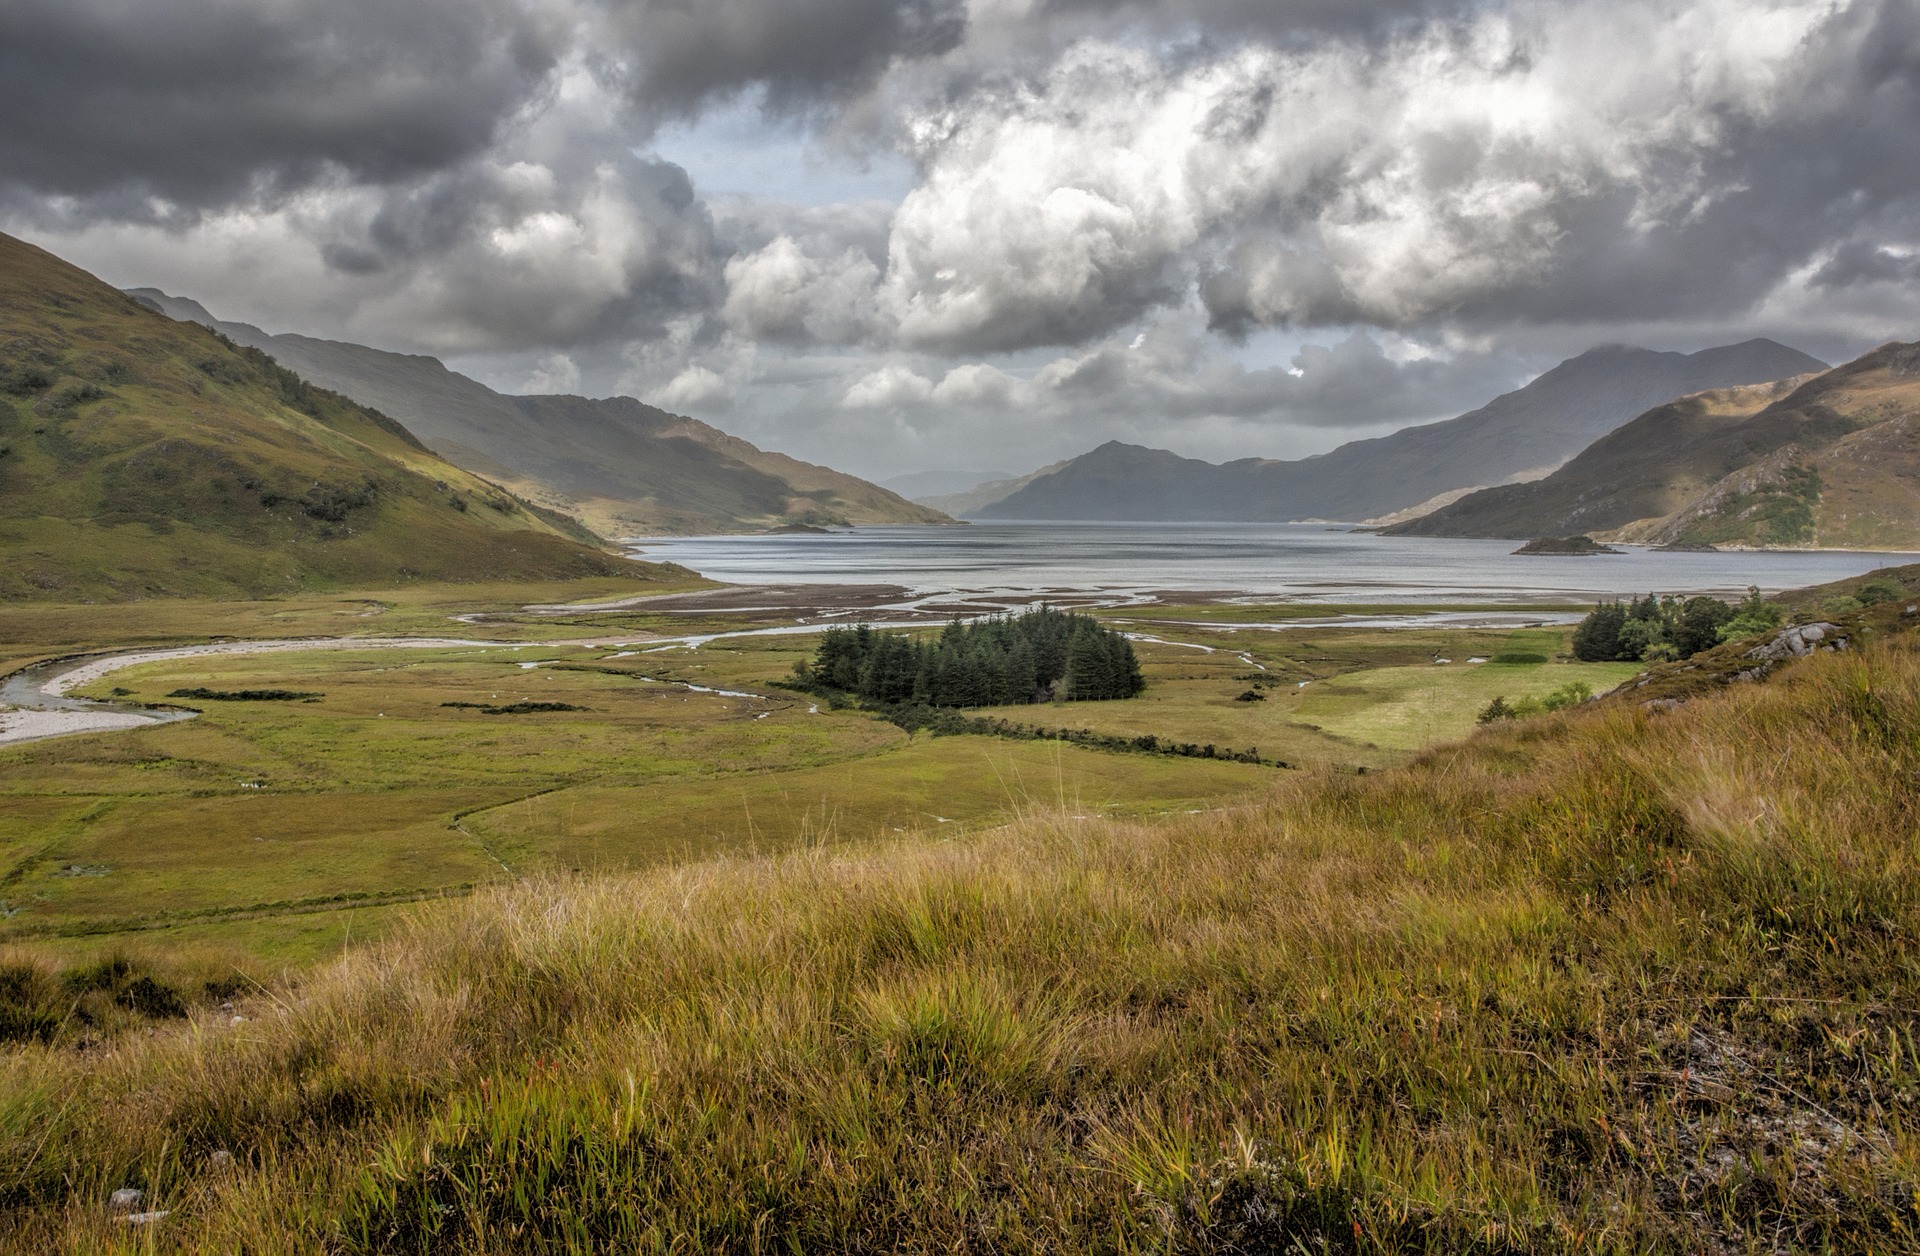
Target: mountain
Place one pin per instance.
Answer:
(970, 502)
(1831, 460)
(141, 456)
(923, 486)
(1517, 435)
(620, 465)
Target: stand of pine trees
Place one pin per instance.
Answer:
(1036, 657)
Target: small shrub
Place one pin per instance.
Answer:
(68, 397)
(331, 503)
(150, 998)
(1573, 693)
(1879, 589)
(30, 1008)
(24, 378)
(1496, 711)
(1752, 618)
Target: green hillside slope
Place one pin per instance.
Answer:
(142, 456)
(1859, 491)
(622, 466)
(1829, 460)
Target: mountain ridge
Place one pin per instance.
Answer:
(618, 464)
(141, 456)
(1830, 459)
(1539, 425)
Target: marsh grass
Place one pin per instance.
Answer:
(1601, 981)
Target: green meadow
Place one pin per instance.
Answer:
(277, 831)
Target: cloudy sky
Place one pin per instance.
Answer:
(959, 235)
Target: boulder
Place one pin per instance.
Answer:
(1800, 640)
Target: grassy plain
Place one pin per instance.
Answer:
(378, 790)
(234, 837)
(1607, 981)
(1406, 708)
(1354, 696)
(31, 631)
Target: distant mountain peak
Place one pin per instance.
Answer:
(1539, 425)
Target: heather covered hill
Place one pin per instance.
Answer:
(1524, 432)
(621, 465)
(141, 456)
(1832, 460)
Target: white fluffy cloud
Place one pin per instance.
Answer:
(780, 293)
(693, 388)
(1334, 184)
(891, 385)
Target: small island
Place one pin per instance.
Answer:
(1566, 545)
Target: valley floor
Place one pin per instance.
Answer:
(675, 958)
(263, 831)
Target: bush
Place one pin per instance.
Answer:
(1880, 589)
(1752, 618)
(1573, 693)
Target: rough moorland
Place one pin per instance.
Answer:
(1628, 977)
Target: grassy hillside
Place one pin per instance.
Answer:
(140, 456)
(1613, 980)
(622, 466)
(1860, 491)
(1831, 460)
(1647, 467)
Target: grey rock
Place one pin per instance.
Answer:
(1664, 704)
(145, 1218)
(221, 1159)
(1800, 640)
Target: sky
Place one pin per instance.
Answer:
(960, 236)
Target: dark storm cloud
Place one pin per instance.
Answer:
(1271, 19)
(592, 244)
(677, 54)
(1859, 262)
(208, 102)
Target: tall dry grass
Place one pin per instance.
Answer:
(1605, 981)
